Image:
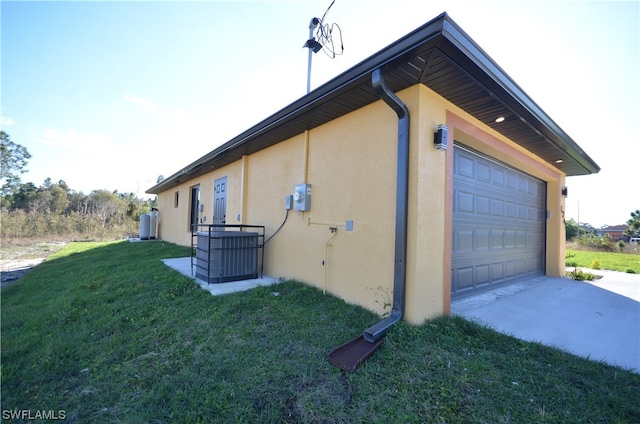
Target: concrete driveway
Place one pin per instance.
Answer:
(599, 320)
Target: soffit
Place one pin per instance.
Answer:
(440, 56)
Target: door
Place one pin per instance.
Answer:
(498, 224)
(220, 201)
(194, 209)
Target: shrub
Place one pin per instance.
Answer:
(596, 264)
(621, 245)
(591, 241)
(579, 275)
(74, 226)
(572, 264)
(630, 271)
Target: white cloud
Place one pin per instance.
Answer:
(71, 139)
(5, 121)
(146, 104)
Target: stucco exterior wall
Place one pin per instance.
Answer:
(351, 165)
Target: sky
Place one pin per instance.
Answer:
(111, 95)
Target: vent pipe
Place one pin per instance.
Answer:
(375, 332)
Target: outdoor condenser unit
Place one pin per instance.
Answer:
(223, 256)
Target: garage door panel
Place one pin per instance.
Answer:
(484, 172)
(497, 272)
(483, 205)
(498, 223)
(463, 241)
(482, 240)
(465, 167)
(464, 277)
(465, 202)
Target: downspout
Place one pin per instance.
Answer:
(375, 332)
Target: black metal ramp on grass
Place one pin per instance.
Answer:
(349, 355)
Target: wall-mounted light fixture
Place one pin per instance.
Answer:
(440, 137)
(565, 192)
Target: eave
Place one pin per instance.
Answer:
(439, 55)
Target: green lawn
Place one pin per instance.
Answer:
(107, 333)
(612, 261)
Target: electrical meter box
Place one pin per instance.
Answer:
(302, 197)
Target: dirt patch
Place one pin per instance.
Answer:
(21, 256)
(14, 269)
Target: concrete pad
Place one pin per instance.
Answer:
(183, 266)
(598, 320)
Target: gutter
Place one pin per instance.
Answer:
(375, 332)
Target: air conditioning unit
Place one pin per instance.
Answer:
(223, 256)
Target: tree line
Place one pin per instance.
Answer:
(56, 210)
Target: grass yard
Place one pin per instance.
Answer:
(622, 262)
(106, 333)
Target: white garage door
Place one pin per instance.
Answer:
(498, 224)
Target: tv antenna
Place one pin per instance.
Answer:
(325, 41)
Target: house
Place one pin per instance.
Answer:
(429, 175)
(616, 232)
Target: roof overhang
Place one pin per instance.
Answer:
(439, 55)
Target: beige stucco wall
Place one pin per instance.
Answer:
(351, 165)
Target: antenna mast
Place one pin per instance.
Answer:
(325, 41)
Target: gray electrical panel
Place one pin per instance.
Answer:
(302, 197)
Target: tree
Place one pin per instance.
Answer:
(571, 229)
(13, 162)
(107, 206)
(24, 196)
(634, 224)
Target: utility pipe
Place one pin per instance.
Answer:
(375, 332)
(305, 157)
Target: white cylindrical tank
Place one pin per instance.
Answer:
(144, 226)
(153, 224)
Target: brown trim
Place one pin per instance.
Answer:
(448, 220)
(538, 168)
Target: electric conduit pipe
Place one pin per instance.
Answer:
(375, 332)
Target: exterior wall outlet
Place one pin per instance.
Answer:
(288, 202)
(302, 197)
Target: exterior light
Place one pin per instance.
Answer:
(565, 192)
(500, 119)
(559, 161)
(440, 137)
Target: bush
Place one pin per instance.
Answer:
(18, 224)
(630, 271)
(621, 245)
(596, 264)
(591, 241)
(579, 275)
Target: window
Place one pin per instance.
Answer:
(194, 208)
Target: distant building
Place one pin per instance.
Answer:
(616, 232)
